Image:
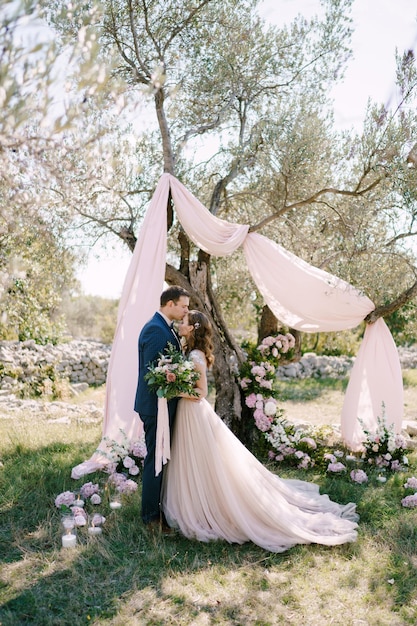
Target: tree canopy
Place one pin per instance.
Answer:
(239, 111)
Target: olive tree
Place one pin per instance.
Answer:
(241, 116)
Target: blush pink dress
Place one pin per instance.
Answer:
(214, 488)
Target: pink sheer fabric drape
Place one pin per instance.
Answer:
(300, 295)
(139, 300)
(375, 386)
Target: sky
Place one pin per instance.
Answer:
(380, 26)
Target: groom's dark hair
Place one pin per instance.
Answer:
(173, 293)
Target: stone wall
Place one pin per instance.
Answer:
(81, 362)
(313, 366)
(85, 362)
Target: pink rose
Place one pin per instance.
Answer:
(171, 378)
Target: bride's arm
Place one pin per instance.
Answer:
(201, 386)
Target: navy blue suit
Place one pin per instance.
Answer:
(153, 340)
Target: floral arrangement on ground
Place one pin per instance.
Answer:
(117, 483)
(306, 447)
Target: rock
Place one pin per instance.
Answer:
(410, 428)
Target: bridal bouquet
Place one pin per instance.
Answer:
(172, 375)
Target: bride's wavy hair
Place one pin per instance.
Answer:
(201, 337)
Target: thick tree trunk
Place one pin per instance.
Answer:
(195, 277)
(268, 324)
(227, 353)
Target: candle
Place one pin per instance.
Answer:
(68, 522)
(94, 530)
(69, 540)
(115, 504)
(79, 503)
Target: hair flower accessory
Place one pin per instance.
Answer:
(196, 325)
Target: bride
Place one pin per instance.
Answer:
(214, 488)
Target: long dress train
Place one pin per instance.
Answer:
(214, 488)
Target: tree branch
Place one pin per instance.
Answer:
(387, 309)
(310, 200)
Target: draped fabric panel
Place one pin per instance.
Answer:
(215, 236)
(139, 301)
(301, 296)
(375, 386)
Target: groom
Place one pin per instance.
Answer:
(153, 340)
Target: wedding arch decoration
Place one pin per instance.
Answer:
(300, 295)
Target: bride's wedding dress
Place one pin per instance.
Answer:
(214, 488)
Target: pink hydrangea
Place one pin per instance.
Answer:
(80, 516)
(97, 519)
(411, 483)
(258, 370)
(400, 441)
(396, 466)
(139, 449)
(116, 479)
(128, 486)
(409, 501)
(64, 499)
(88, 489)
(262, 421)
(251, 401)
(128, 462)
(359, 476)
(267, 384)
(336, 467)
(306, 462)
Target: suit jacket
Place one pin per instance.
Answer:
(153, 340)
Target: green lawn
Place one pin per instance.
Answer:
(126, 577)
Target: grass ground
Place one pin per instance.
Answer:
(126, 577)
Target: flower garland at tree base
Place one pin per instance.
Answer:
(308, 447)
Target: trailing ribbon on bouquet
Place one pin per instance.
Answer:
(162, 448)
